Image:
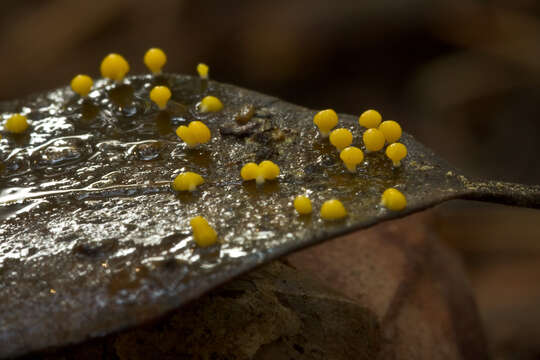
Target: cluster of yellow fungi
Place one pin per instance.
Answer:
(266, 170)
(378, 133)
(331, 209)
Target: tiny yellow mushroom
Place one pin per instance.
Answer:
(325, 120)
(155, 59)
(370, 119)
(341, 138)
(194, 134)
(203, 234)
(203, 70)
(351, 156)
(82, 84)
(210, 104)
(333, 210)
(373, 139)
(160, 95)
(187, 181)
(114, 67)
(393, 200)
(396, 152)
(266, 170)
(302, 204)
(391, 131)
(16, 124)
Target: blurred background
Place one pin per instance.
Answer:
(462, 76)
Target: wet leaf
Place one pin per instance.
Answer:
(93, 239)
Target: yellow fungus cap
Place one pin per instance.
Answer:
(341, 138)
(266, 170)
(16, 124)
(333, 210)
(302, 204)
(373, 139)
(391, 131)
(187, 181)
(351, 156)
(393, 200)
(396, 152)
(370, 119)
(203, 70)
(194, 134)
(325, 120)
(155, 59)
(203, 233)
(210, 104)
(114, 67)
(160, 95)
(249, 171)
(269, 170)
(82, 84)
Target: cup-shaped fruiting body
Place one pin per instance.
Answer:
(210, 104)
(203, 234)
(302, 204)
(266, 170)
(341, 138)
(160, 95)
(194, 134)
(187, 181)
(391, 131)
(155, 59)
(351, 157)
(373, 139)
(81, 85)
(393, 199)
(333, 210)
(325, 120)
(396, 152)
(370, 119)
(203, 70)
(114, 67)
(16, 124)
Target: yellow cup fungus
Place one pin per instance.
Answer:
(203, 234)
(325, 120)
(370, 119)
(373, 139)
(266, 170)
(187, 181)
(155, 59)
(160, 95)
(302, 204)
(333, 210)
(203, 70)
(393, 200)
(396, 152)
(16, 124)
(194, 134)
(391, 131)
(82, 84)
(351, 156)
(210, 104)
(114, 67)
(341, 138)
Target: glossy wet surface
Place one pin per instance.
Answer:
(93, 239)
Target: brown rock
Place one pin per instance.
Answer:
(412, 282)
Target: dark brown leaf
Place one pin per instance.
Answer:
(94, 240)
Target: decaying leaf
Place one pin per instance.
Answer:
(93, 239)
